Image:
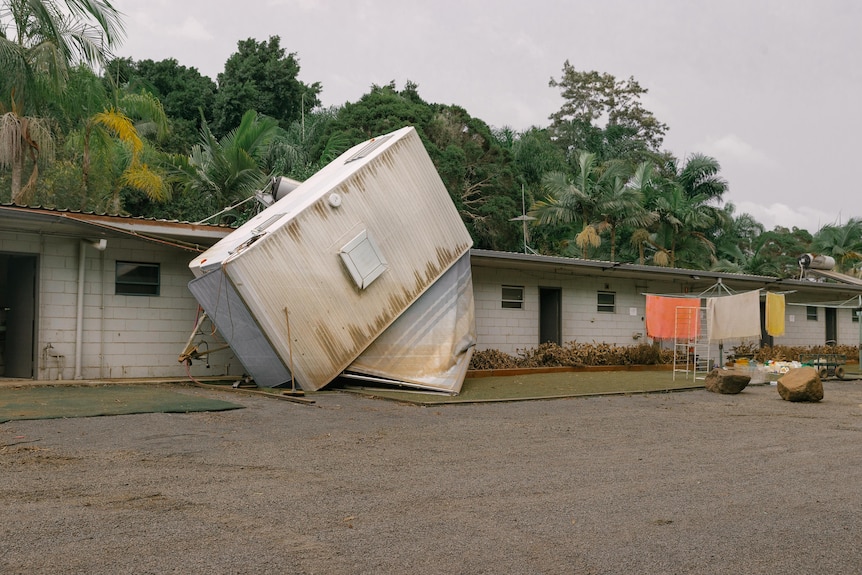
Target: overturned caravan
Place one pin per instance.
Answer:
(362, 271)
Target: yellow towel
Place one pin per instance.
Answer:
(774, 314)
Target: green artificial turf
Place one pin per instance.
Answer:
(71, 401)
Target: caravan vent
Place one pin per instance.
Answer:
(362, 258)
(368, 148)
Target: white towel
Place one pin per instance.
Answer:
(733, 316)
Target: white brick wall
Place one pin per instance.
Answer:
(123, 336)
(141, 336)
(510, 330)
(803, 331)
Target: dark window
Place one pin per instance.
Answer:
(513, 297)
(606, 301)
(854, 313)
(137, 279)
(811, 312)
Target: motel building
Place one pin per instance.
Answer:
(95, 297)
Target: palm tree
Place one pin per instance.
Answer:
(39, 41)
(573, 202)
(222, 172)
(680, 220)
(107, 124)
(699, 177)
(129, 167)
(292, 153)
(841, 242)
(621, 200)
(686, 200)
(736, 241)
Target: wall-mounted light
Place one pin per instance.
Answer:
(99, 244)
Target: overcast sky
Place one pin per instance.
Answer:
(772, 89)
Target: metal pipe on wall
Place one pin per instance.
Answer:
(79, 316)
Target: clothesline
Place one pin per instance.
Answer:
(852, 303)
(718, 287)
(728, 316)
(702, 295)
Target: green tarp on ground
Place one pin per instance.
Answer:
(70, 401)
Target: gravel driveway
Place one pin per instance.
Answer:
(688, 482)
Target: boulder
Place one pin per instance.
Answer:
(801, 384)
(726, 381)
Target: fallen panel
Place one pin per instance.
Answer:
(430, 345)
(340, 258)
(237, 327)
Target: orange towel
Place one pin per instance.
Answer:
(672, 317)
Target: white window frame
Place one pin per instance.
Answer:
(511, 301)
(602, 307)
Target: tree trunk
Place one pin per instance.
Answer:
(17, 170)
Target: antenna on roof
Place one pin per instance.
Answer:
(524, 218)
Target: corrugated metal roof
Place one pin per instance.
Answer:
(694, 278)
(184, 235)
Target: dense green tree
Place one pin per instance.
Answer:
(475, 168)
(478, 174)
(306, 146)
(39, 41)
(735, 243)
(382, 110)
(185, 95)
(260, 76)
(604, 115)
(776, 252)
(534, 153)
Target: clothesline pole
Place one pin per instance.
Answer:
(859, 317)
